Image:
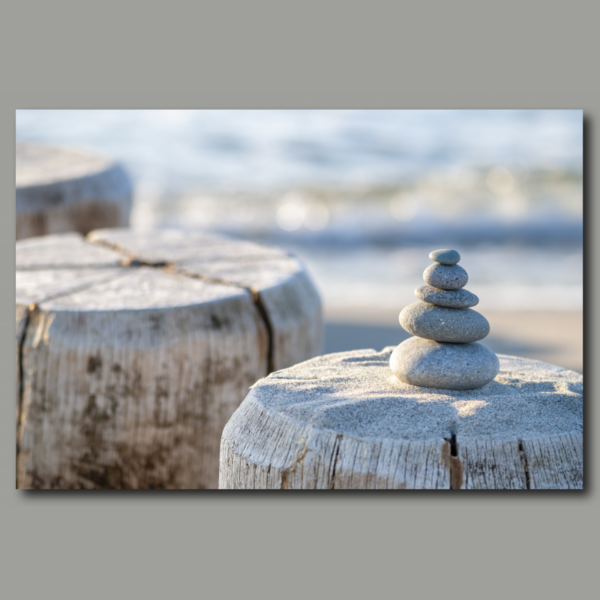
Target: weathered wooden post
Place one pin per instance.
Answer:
(133, 350)
(63, 189)
(344, 421)
(439, 411)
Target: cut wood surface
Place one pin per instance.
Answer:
(65, 189)
(344, 421)
(133, 351)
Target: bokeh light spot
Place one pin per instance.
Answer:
(500, 181)
(403, 208)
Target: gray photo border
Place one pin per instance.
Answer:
(272, 55)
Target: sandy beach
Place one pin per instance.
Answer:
(555, 337)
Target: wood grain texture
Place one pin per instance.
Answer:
(60, 190)
(128, 369)
(341, 421)
(555, 462)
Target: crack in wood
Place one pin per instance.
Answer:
(136, 262)
(31, 310)
(264, 315)
(453, 446)
(130, 260)
(21, 383)
(525, 464)
(335, 454)
(452, 461)
(110, 246)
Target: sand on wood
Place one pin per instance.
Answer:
(344, 421)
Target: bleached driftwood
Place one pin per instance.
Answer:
(344, 421)
(61, 189)
(133, 351)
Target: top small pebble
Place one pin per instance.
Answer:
(445, 257)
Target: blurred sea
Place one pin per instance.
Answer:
(362, 196)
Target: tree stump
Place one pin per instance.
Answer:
(134, 350)
(344, 421)
(60, 190)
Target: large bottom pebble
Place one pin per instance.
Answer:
(441, 365)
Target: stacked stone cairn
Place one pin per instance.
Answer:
(445, 352)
